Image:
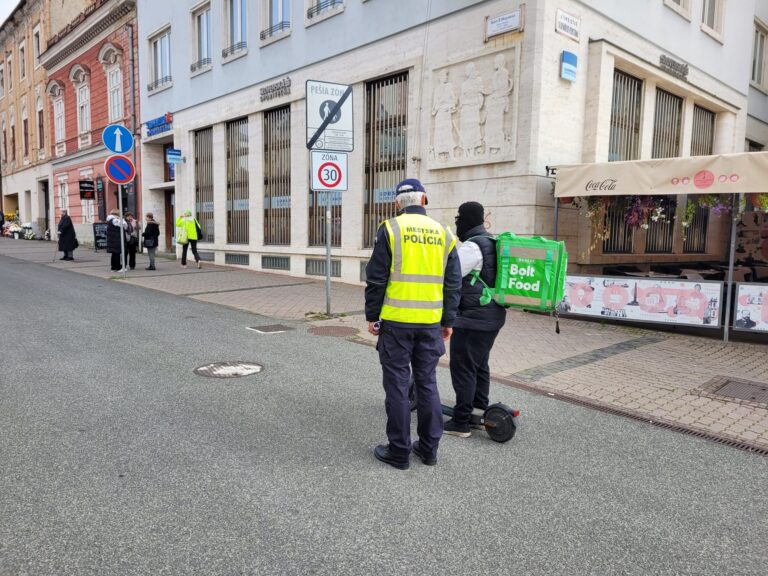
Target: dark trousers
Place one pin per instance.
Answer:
(400, 351)
(115, 262)
(470, 374)
(193, 244)
(130, 256)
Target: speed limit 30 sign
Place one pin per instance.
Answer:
(329, 170)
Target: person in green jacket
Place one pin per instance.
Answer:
(194, 233)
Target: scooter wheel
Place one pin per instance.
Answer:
(499, 423)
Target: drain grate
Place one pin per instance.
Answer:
(338, 331)
(744, 390)
(270, 329)
(228, 369)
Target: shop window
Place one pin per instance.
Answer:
(621, 237)
(386, 122)
(626, 113)
(238, 204)
(204, 182)
(277, 176)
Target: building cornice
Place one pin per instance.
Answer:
(89, 25)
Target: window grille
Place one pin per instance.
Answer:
(318, 203)
(277, 176)
(703, 132)
(626, 111)
(621, 238)
(666, 125)
(660, 234)
(237, 181)
(316, 267)
(386, 122)
(236, 258)
(276, 262)
(204, 182)
(696, 235)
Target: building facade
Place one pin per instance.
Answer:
(757, 119)
(92, 68)
(475, 98)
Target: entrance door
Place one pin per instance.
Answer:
(170, 221)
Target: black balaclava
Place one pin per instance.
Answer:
(471, 214)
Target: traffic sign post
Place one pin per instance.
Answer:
(117, 139)
(120, 170)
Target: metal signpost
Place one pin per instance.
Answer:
(330, 136)
(119, 169)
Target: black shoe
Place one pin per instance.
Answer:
(149, 268)
(429, 461)
(455, 429)
(382, 453)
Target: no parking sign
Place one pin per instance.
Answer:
(329, 170)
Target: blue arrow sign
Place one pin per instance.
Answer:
(119, 169)
(118, 139)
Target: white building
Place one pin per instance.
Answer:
(472, 97)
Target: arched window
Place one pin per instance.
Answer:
(111, 58)
(56, 91)
(80, 78)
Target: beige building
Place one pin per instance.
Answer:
(25, 148)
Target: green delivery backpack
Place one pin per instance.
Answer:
(530, 273)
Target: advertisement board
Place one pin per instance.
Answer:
(751, 307)
(668, 301)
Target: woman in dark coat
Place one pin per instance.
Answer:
(151, 238)
(67, 237)
(115, 225)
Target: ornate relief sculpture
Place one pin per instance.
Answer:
(497, 105)
(470, 104)
(443, 107)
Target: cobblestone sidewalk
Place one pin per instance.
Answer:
(656, 376)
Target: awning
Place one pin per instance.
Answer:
(720, 174)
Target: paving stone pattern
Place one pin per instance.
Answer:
(660, 376)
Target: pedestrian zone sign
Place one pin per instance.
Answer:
(329, 126)
(117, 139)
(329, 170)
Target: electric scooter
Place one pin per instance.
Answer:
(498, 420)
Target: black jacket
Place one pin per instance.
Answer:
(152, 230)
(377, 277)
(67, 236)
(113, 234)
(473, 315)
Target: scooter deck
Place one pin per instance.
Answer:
(475, 419)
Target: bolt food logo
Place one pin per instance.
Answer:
(521, 276)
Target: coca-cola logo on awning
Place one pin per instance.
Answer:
(599, 185)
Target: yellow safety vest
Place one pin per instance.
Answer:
(420, 247)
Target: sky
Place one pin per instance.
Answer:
(5, 8)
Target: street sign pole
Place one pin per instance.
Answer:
(328, 252)
(122, 234)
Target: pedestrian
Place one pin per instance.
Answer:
(151, 238)
(115, 225)
(67, 237)
(411, 299)
(131, 240)
(477, 325)
(191, 226)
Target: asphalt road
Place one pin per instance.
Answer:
(115, 458)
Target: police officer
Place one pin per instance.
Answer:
(476, 325)
(413, 283)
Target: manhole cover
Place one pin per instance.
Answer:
(228, 369)
(744, 390)
(338, 331)
(271, 329)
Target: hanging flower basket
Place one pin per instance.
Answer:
(759, 201)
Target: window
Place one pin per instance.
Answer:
(9, 66)
(5, 144)
(386, 121)
(703, 132)
(277, 176)
(36, 44)
(712, 16)
(279, 12)
(318, 6)
(25, 131)
(115, 87)
(204, 181)
(40, 126)
(161, 61)
(626, 110)
(203, 30)
(63, 195)
(22, 61)
(237, 33)
(753, 146)
(2, 81)
(13, 141)
(758, 57)
(667, 125)
(83, 109)
(237, 182)
(87, 211)
(58, 118)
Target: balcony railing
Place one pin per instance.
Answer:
(202, 63)
(279, 27)
(158, 83)
(229, 50)
(322, 6)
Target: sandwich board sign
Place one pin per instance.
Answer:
(329, 116)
